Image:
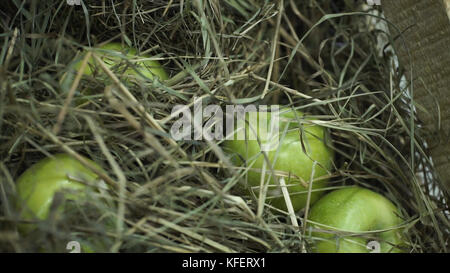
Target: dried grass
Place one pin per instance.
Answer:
(168, 196)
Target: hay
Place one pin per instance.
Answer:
(181, 196)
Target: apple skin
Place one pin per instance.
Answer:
(355, 209)
(290, 159)
(38, 184)
(110, 53)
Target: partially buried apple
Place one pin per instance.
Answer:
(356, 220)
(39, 183)
(304, 155)
(125, 60)
(37, 186)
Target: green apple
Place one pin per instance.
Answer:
(124, 61)
(354, 210)
(37, 186)
(112, 54)
(303, 155)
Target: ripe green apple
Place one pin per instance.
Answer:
(111, 55)
(303, 149)
(122, 60)
(37, 186)
(354, 210)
